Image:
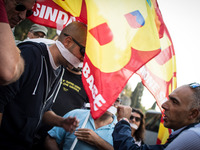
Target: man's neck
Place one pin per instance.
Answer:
(105, 119)
(74, 72)
(53, 50)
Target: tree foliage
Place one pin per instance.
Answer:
(153, 106)
(133, 98)
(22, 29)
(136, 96)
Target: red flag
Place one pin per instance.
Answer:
(122, 37)
(118, 44)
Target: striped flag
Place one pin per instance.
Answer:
(159, 74)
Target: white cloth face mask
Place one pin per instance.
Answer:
(112, 110)
(134, 126)
(73, 60)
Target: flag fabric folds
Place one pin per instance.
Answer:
(159, 74)
(122, 37)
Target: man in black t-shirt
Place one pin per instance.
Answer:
(71, 94)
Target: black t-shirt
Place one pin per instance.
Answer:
(71, 94)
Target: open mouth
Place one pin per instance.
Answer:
(165, 117)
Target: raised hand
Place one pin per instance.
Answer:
(123, 112)
(70, 124)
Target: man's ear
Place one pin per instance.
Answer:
(194, 114)
(30, 35)
(67, 41)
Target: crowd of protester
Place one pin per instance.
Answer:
(42, 97)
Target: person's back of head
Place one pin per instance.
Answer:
(37, 31)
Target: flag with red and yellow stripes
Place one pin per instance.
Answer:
(122, 37)
(159, 74)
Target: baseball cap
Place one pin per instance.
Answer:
(39, 28)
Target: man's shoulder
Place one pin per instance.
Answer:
(188, 139)
(80, 110)
(76, 112)
(195, 129)
(33, 49)
(29, 44)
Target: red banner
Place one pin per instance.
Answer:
(118, 44)
(49, 14)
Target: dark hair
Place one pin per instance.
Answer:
(139, 133)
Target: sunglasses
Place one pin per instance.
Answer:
(38, 35)
(137, 119)
(82, 48)
(194, 85)
(21, 7)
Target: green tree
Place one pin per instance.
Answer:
(127, 90)
(153, 106)
(136, 96)
(125, 95)
(133, 99)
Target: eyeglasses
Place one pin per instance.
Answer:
(82, 48)
(194, 85)
(137, 119)
(21, 7)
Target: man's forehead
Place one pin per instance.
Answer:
(182, 88)
(182, 92)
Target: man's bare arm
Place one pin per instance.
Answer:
(50, 143)
(11, 63)
(69, 123)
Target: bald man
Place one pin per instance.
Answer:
(27, 102)
(181, 113)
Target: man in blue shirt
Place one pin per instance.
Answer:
(91, 134)
(181, 113)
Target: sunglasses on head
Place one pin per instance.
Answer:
(21, 7)
(82, 48)
(137, 119)
(194, 85)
